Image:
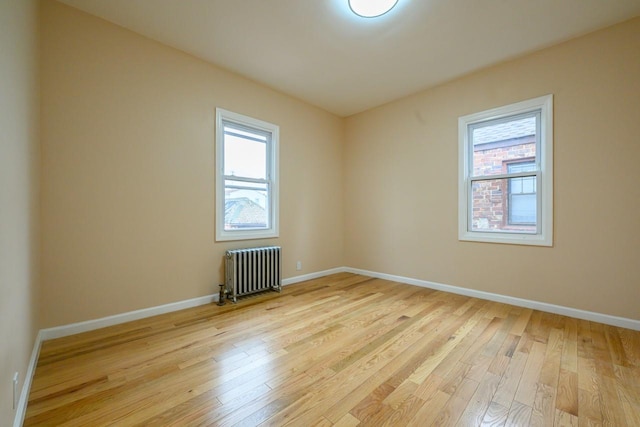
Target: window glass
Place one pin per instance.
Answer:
(245, 154)
(499, 141)
(491, 206)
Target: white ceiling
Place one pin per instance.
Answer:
(317, 51)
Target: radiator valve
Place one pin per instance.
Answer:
(222, 294)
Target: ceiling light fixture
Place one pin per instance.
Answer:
(371, 8)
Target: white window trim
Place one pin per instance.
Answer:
(544, 237)
(272, 172)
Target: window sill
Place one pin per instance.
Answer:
(506, 238)
(227, 236)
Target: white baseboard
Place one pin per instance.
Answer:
(21, 409)
(520, 302)
(90, 325)
(116, 319)
(310, 276)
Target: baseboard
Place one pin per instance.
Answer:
(520, 302)
(90, 325)
(21, 409)
(116, 319)
(310, 276)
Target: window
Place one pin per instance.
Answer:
(506, 174)
(246, 178)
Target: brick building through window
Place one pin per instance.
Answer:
(505, 204)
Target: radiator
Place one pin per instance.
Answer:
(252, 270)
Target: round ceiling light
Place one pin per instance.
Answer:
(371, 8)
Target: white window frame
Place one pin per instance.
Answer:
(223, 115)
(544, 160)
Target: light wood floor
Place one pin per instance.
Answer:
(344, 350)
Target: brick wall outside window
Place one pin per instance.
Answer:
(490, 198)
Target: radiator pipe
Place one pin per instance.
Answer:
(221, 297)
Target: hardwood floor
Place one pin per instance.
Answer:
(343, 350)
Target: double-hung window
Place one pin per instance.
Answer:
(506, 174)
(247, 177)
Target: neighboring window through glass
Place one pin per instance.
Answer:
(522, 205)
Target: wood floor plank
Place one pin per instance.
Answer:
(394, 355)
(480, 401)
(527, 388)
(428, 387)
(521, 323)
(460, 351)
(496, 415)
(616, 348)
(510, 380)
(569, 360)
(433, 360)
(567, 397)
(588, 391)
(190, 412)
(612, 409)
(628, 384)
(553, 358)
(631, 345)
(371, 407)
(519, 415)
(455, 378)
(564, 419)
(347, 421)
(342, 350)
(455, 406)
(429, 411)
(584, 339)
(544, 408)
(336, 397)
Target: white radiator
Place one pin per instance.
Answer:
(252, 270)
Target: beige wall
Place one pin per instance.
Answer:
(128, 171)
(18, 194)
(401, 179)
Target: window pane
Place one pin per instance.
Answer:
(522, 195)
(493, 210)
(244, 157)
(525, 184)
(245, 208)
(528, 184)
(523, 209)
(496, 142)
